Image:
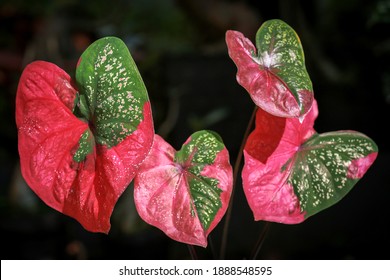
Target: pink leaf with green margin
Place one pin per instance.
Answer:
(303, 173)
(185, 193)
(275, 75)
(79, 150)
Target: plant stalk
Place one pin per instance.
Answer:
(236, 169)
(194, 255)
(260, 241)
(212, 248)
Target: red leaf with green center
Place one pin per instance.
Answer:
(185, 193)
(275, 75)
(292, 173)
(80, 150)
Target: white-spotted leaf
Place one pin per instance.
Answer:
(185, 193)
(292, 173)
(274, 74)
(327, 166)
(81, 147)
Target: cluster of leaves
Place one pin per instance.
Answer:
(82, 142)
(291, 172)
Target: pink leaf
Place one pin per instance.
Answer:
(291, 172)
(274, 141)
(274, 75)
(185, 193)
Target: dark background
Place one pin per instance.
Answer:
(180, 50)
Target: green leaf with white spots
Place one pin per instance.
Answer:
(86, 144)
(185, 193)
(111, 94)
(280, 50)
(200, 151)
(327, 166)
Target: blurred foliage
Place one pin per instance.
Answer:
(380, 13)
(158, 25)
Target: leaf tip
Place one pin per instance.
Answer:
(359, 166)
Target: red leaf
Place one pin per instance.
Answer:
(49, 135)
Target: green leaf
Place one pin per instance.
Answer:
(327, 166)
(111, 91)
(280, 51)
(86, 144)
(194, 155)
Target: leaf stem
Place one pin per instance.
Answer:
(260, 241)
(194, 255)
(236, 169)
(212, 247)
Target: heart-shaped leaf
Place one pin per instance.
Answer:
(79, 150)
(292, 173)
(275, 74)
(185, 193)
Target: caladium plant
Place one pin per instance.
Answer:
(291, 172)
(81, 143)
(274, 74)
(185, 193)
